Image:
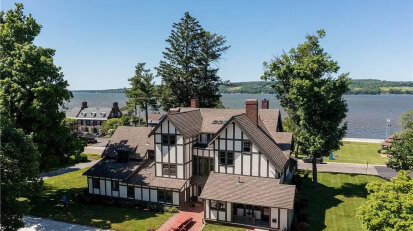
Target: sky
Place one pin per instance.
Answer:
(98, 43)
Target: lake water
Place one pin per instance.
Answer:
(366, 116)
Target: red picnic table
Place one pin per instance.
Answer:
(182, 223)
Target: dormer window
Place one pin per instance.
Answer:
(84, 114)
(93, 114)
(103, 114)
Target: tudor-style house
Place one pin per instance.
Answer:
(235, 161)
(90, 119)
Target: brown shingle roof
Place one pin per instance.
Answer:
(134, 138)
(188, 123)
(146, 176)
(265, 144)
(110, 168)
(259, 191)
(155, 116)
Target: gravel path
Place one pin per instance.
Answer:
(378, 170)
(42, 224)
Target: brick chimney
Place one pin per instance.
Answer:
(115, 105)
(84, 104)
(194, 103)
(251, 109)
(174, 110)
(265, 104)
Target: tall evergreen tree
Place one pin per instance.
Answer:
(186, 69)
(313, 98)
(142, 92)
(32, 89)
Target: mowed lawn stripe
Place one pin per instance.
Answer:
(333, 205)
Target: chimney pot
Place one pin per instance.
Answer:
(265, 104)
(251, 109)
(194, 103)
(84, 104)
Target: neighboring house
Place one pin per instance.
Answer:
(154, 119)
(90, 119)
(236, 161)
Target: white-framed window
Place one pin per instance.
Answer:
(226, 158)
(169, 169)
(246, 146)
(84, 114)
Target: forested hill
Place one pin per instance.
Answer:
(357, 87)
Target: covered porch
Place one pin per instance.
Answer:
(248, 201)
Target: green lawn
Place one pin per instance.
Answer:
(333, 205)
(212, 227)
(109, 217)
(92, 157)
(358, 153)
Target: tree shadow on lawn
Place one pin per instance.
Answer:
(50, 205)
(315, 202)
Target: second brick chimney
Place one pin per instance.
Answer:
(84, 105)
(251, 109)
(265, 104)
(115, 105)
(194, 103)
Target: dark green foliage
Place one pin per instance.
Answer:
(186, 69)
(401, 157)
(19, 161)
(70, 123)
(33, 89)
(311, 96)
(142, 93)
(111, 124)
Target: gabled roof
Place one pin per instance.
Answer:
(127, 137)
(265, 144)
(188, 123)
(251, 190)
(72, 113)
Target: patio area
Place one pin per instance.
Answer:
(190, 217)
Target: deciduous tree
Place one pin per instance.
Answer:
(389, 205)
(402, 152)
(312, 96)
(33, 89)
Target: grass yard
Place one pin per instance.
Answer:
(357, 153)
(333, 205)
(108, 217)
(212, 227)
(92, 157)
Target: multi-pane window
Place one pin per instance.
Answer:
(131, 192)
(246, 146)
(226, 158)
(84, 122)
(169, 169)
(165, 196)
(115, 185)
(96, 183)
(217, 205)
(169, 139)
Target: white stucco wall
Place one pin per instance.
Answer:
(102, 187)
(138, 194)
(108, 188)
(145, 194)
(123, 191)
(90, 184)
(274, 215)
(175, 198)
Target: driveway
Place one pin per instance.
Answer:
(68, 169)
(42, 224)
(378, 170)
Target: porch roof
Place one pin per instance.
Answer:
(259, 191)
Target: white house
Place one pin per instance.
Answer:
(236, 161)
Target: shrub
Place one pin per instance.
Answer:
(85, 129)
(110, 132)
(94, 130)
(171, 209)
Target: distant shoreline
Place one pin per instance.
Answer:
(112, 91)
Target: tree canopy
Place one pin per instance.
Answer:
(142, 92)
(312, 97)
(33, 88)
(186, 68)
(389, 205)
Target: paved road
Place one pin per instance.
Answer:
(68, 169)
(378, 170)
(42, 224)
